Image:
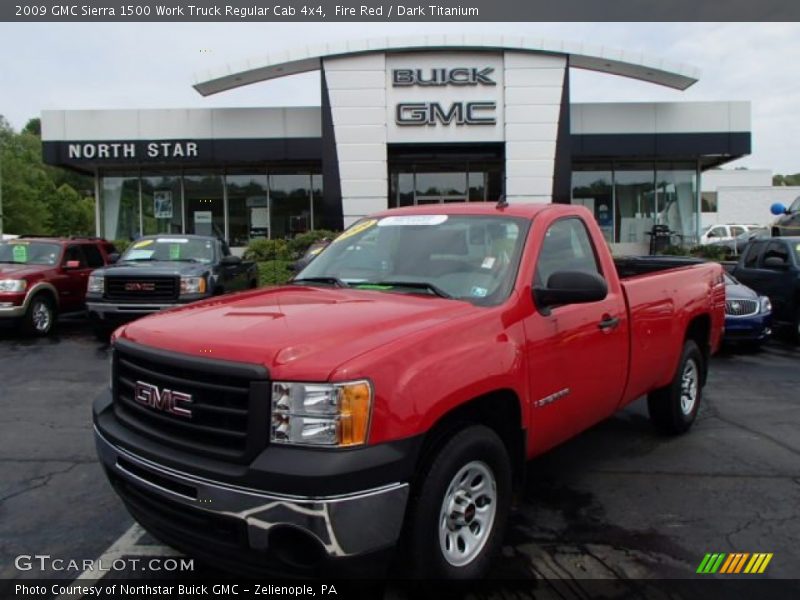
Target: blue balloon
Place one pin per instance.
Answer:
(777, 209)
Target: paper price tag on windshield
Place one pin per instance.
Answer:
(174, 251)
(20, 253)
(356, 229)
(412, 220)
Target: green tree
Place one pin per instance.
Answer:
(781, 180)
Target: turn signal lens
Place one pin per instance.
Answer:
(355, 403)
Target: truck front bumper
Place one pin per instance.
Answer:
(185, 509)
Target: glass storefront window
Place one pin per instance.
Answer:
(203, 199)
(119, 206)
(592, 187)
(677, 200)
(161, 203)
(316, 192)
(248, 207)
(290, 205)
(634, 199)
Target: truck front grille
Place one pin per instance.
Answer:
(209, 407)
(741, 308)
(142, 289)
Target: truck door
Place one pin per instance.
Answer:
(577, 354)
(775, 278)
(72, 280)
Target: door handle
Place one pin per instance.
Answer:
(608, 322)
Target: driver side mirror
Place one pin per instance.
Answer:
(113, 257)
(72, 264)
(570, 287)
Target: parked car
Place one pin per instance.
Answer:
(788, 221)
(772, 268)
(42, 277)
(164, 271)
(748, 316)
(396, 387)
(720, 233)
(737, 245)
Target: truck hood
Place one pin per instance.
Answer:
(20, 271)
(146, 268)
(299, 333)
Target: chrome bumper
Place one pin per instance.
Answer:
(103, 308)
(343, 525)
(12, 312)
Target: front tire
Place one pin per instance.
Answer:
(460, 508)
(673, 408)
(40, 317)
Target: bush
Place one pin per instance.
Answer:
(676, 251)
(121, 245)
(274, 272)
(717, 253)
(299, 245)
(261, 250)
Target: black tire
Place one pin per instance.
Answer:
(102, 331)
(670, 412)
(40, 318)
(474, 447)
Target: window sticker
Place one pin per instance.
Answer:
(138, 254)
(797, 248)
(356, 229)
(20, 253)
(143, 244)
(174, 251)
(401, 220)
(172, 240)
(488, 262)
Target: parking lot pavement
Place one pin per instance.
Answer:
(617, 502)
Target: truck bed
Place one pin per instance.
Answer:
(663, 293)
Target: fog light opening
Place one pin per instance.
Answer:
(295, 547)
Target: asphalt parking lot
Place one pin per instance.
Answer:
(618, 502)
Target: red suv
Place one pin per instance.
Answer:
(41, 277)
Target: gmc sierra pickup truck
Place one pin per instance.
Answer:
(162, 271)
(389, 396)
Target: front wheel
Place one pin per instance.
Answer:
(40, 316)
(460, 508)
(674, 408)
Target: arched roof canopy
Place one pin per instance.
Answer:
(581, 56)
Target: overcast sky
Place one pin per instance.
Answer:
(138, 65)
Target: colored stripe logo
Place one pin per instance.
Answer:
(734, 563)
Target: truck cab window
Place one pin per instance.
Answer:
(751, 259)
(93, 256)
(566, 247)
(74, 253)
(775, 253)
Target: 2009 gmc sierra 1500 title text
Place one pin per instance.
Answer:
(393, 391)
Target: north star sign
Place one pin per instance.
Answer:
(131, 150)
(434, 113)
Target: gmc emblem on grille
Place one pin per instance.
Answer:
(136, 286)
(162, 399)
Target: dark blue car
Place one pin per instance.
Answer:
(748, 316)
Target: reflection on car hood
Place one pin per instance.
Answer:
(19, 271)
(734, 291)
(146, 268)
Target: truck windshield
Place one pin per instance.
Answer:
(472, 258)
(173, 248)
(29, 252)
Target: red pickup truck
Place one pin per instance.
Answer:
(390, 395)
(41, 277)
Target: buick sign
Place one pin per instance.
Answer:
(440, 77)
(163, 399)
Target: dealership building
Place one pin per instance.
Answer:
(404, 121)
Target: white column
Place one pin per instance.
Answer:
(533, 90)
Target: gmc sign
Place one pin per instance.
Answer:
(164, 400)
(460, 113)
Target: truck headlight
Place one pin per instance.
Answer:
(766, 305)
(193, 285)
(96, 285)
(321, 414)
(13, 285)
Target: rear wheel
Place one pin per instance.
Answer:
(459, 512)
(674, 408)
(40, 316)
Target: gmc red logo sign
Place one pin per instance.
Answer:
(136, 286)
(164, 400)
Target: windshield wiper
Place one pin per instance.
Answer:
(332, 280)
(420, 285)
